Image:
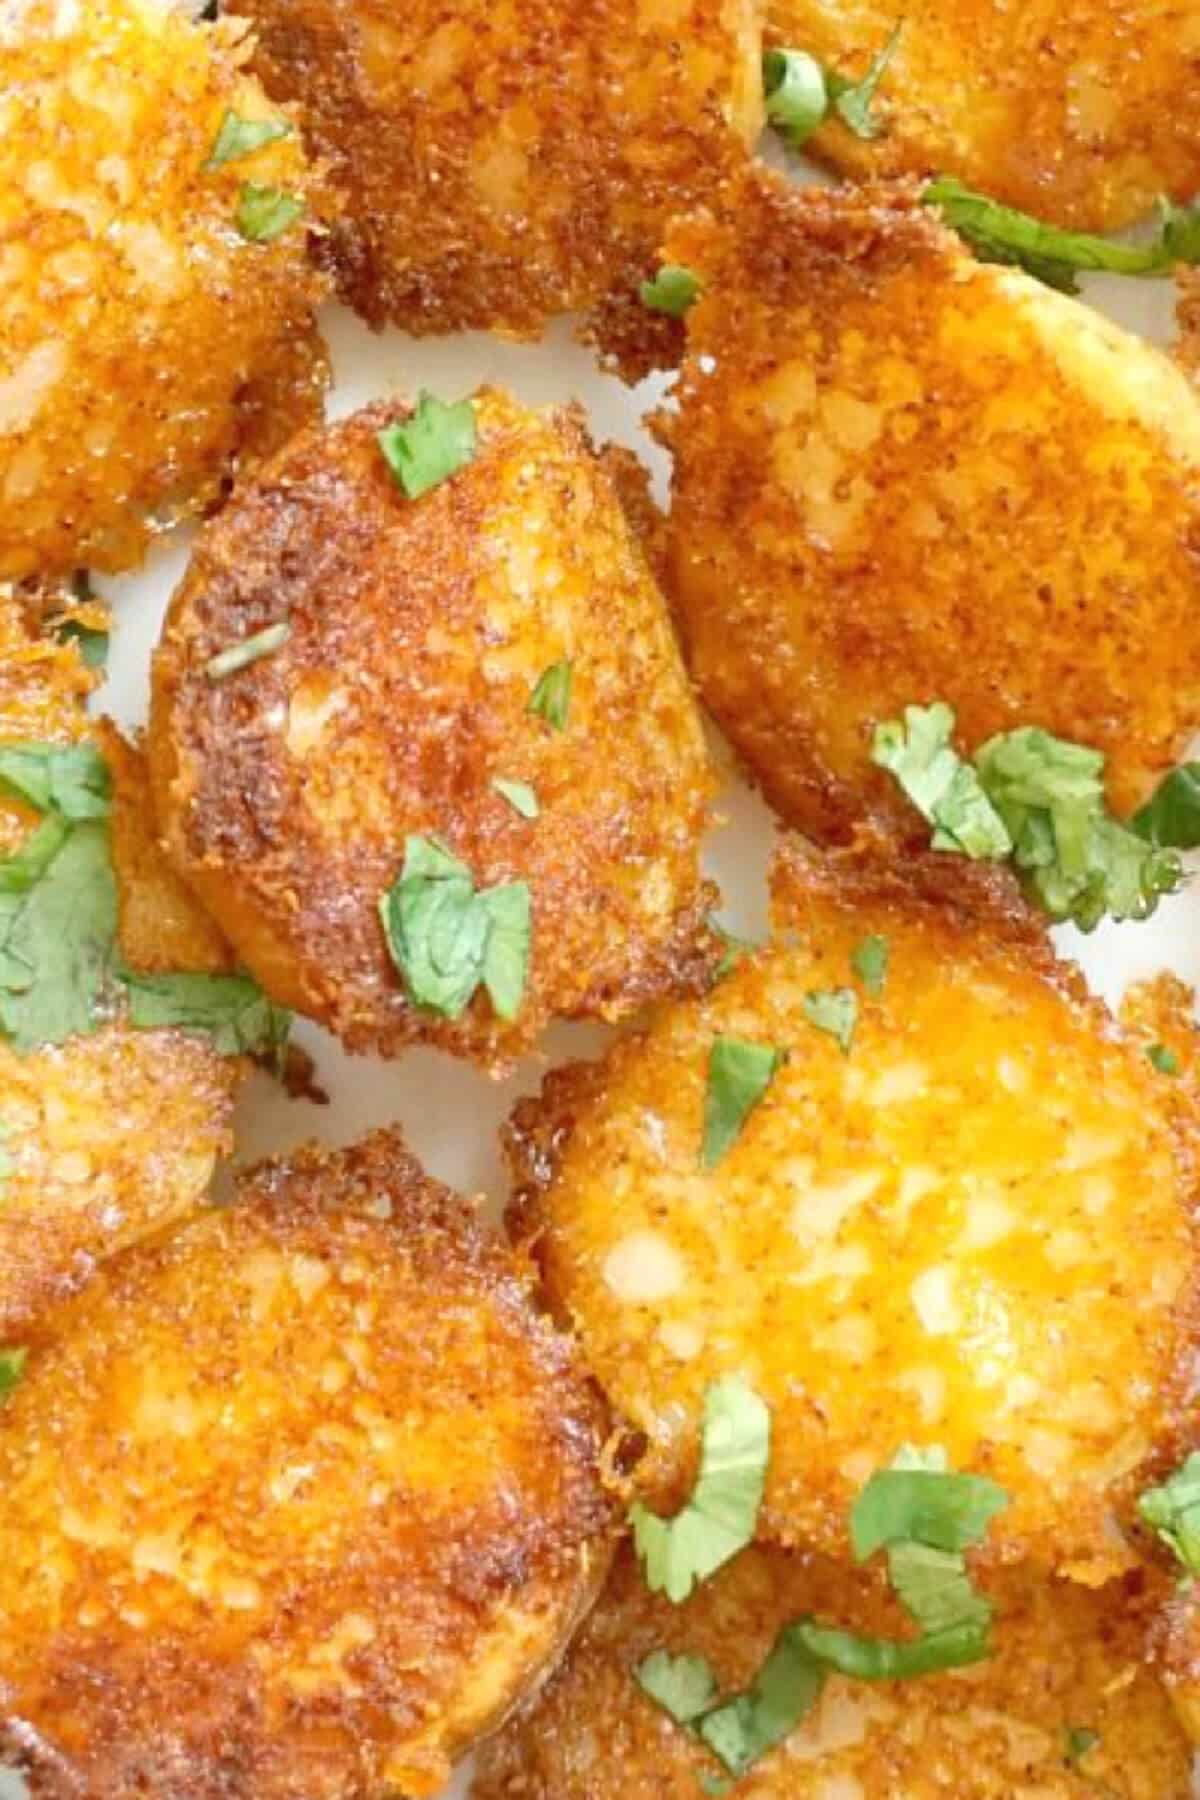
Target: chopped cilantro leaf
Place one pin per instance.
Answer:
(886, 1659)
(56, 938)
(935, 1588)
(739, 1074)
(230, 1009)
(835, 1011)
(69, 779)
(924, 1506)
(1078, 1740)
(447, 939)
(852, 100)
(26, 866)
(93, 644)
(520, 796)
(735, 949)
(869, 960)
(785, 1689)
(1171, 817)
(1002, 234)
(248, 650)
(684, 1686)
(1173, 1510)
(672, 290)
(551, 696)
(430, 445)
(796, 96)
(240, 137)
(1164, 1059)
(942, 787)
(265, 213)
(720, 1516)
(12, 1367)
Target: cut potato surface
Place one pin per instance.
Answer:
(1079, 114)
(147, 347)
(401, 705)
(973, 1230)
(296, 1500)
(903, 476)
(1066, 1661)
(506, 162)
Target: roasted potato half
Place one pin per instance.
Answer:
(505, 163)
(148, 346)
(405, 703)
(1065, 1707)
(298, 1500)
(902, 475)
(972, 1227)
(1077, 114)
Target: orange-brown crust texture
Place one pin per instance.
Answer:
(419, 630)
(901, 475)
(1079, 114)
(506, 162)
(975, 1229)
(108, 1137)
(147, 349)
(1064, 1659)
(298, 1499)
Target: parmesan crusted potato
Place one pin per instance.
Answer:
(297, 1500)
(974, 1229)
(1065, 1661)
(901, 475)
(105, 1138)
(1079, 114)
(506, 162)
(147, 348)
(419, 632)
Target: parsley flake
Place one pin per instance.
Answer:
(1077, 1741)
(551, 696)
(869, 960)
(92, 643)
(12, 1367)
(1173, 1511)
(430, 445)
(924, 1506)
(853, 100)
(69, 779)
(684, 1686)
(1163, 1058)
(796, 96)
(787, 1686)
(248, 650)
(735, 949)
(56, 937)
(942, 787)
(834, 1011)
(232, 1010)
(719, 1518)
(672, 290)
(739, 1074)
(520, 796)
(240, 137)
(447, 939)
(1170, 818)
(265, 213)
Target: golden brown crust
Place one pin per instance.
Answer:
(147, 350)
(418, 633)
(1077, 114)
(1064, 1659)
(903, 476)
(504, 162)
(923, 1240)
(298, 1500)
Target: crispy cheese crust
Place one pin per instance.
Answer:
(146, 348)
(1064, 1658)
(901, 475)
(296, 1500)
(1078, 114)
(504, 162)
(973, 1230)
(418, 633)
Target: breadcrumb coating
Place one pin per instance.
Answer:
(419, 631)
(1079, 114)
(297, 1500)
(1065, 1660)
(900, 476)
(974, 1229)
(147, 349)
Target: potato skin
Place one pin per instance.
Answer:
(913, 477)
(923, 1241)
(147, 350)
(1063, 1658)
(1076, 114)
(505, 162)
(418, 632)
(298, 1499)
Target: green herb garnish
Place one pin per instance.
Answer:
(1170, 818)
(684, 1686)
(1173, 1510)
(786, 1687)
(265, 213)
(520, 796)
(869, 960)
(12, 1367)
(56, 937)
(551, 696)
(739, 1074)
(1163, 1058)
(672, 290)
(735, 949)
(447, 938)
(852, 100)
(93, 644)
(240, 137)
(430, 445)
(720, 1516)
(232, 1010)
(71, 780)
(796, 96)
(834, 1011)
(248, 650)
(944, 789)
(1077, 1741)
